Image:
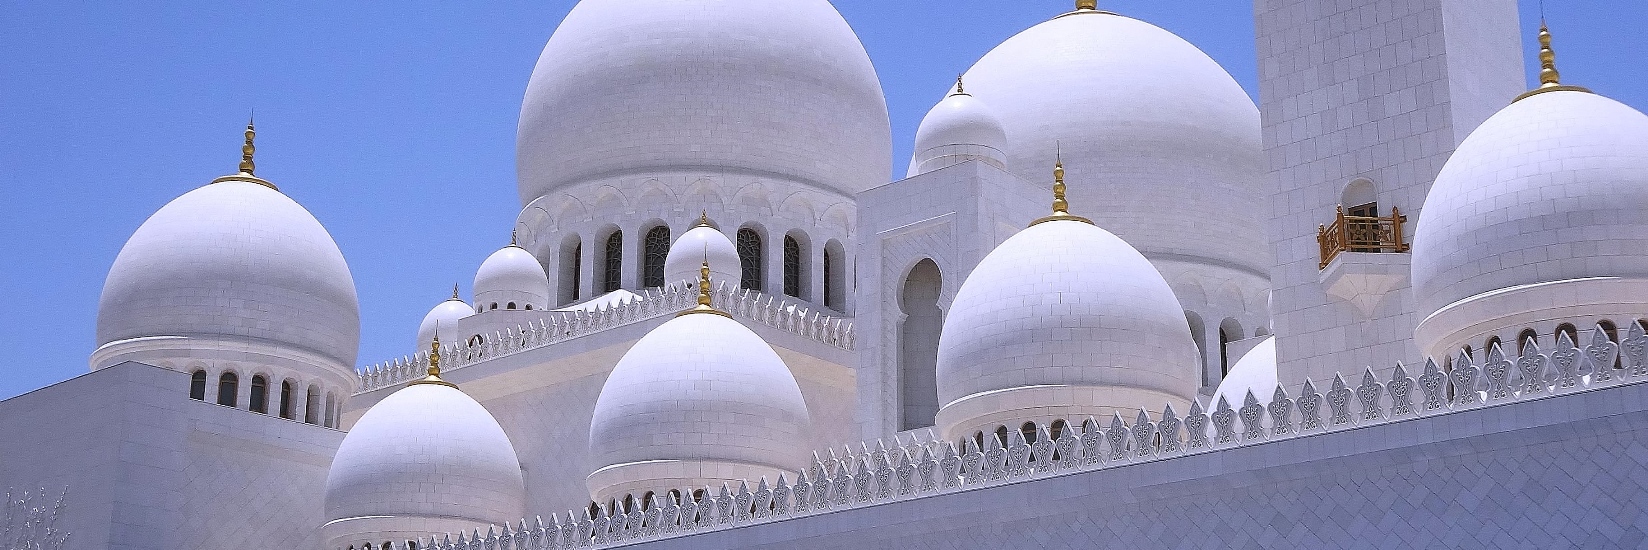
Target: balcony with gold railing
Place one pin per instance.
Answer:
(1361, 234)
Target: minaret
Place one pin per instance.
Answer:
(1358, 128)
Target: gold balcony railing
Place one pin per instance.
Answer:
(1361, 234)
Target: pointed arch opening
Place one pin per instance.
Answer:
(918, 345)
(655, 248)
(612, 272)
(750, 258)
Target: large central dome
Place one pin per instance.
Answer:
(763, 87)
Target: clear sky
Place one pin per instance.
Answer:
(394, 123)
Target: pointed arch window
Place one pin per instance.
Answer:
(652, 262)
(749, 258)
(612, 276)
(792, 267)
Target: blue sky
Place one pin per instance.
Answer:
(394, 123)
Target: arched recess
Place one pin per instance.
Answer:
(197, 385)
(655, 247)
(750, 242)
(572, 268)
(612, 262)
(796, 264)
(1360, 198)
(228, 389)
(918, 345)
(835, 275)
(1198, 334)
(1230, 330)
(258, 402)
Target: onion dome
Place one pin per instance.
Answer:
(703, 243)
(1255, 372)
(1174, 137)
(426, 460)
(776, 89)
(959, 129)
(232, 272)
(444, 318)
(511, 278)
(1062, 321)
(700, 400)
(1540, 214)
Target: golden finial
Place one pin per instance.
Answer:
(434, 376)
(1550, 80)
(247, 166)
(960, 90)
(1087, 4)
(1061, 207)
(703, 219)
(514, 237)
(704, 290)
(455, 291)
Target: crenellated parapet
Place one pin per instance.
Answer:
(922, 466)
(557, 326)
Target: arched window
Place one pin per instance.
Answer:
(1001, 435)
(529, 307)
(749, 258)
(612, 275)
(260, 394)
(1568, 329)
(1028, 430)
(1229, 331)
(1492, 341)
(311, 405)
(656, 249)
(286, 399)
(197, 385)
(646, 501)
(330, 419)
(494, 306)
(1612, 331)
(572, 269)
(1057, 429)
(228, 388)
(835, 277)
(918, 346)
(674, 496)
(1522, 340)
(511, 305)
(1198, 334)
(978, 439)
(792, 266)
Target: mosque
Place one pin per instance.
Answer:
(1398, 302)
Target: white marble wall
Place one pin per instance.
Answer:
(1378, 89)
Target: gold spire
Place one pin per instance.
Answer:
(247, 166)
(960, 90)
(514, 237)
(1550, 80)
(434, 376)
(704, 292)
(455, 291)
(703, 219)
(1087, 4)
(1061, 207)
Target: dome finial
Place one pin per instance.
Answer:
(960, 90)
(1087, 4)
(1550, 80)
(703, 218)
(434, 376)
(704, 290)
(246, 165)
(455, 291)
(514, 237)
(1061, 207)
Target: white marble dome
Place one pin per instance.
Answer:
(444, 316)
(779, 89)
(1166, 141)
(1063, 320)
(698, 401)
(1547, 197)
(960, 128)
(511, 278)
(426, 460)
(234, 265)
(699, 244)
(1255, 371)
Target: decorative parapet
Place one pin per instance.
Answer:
(924, 467)
(1360, 234)
(748, 305)
(31, 521)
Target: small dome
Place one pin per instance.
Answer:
(778, 89)
(1255, 371)
(426, 460)
(1550, 192)
(1149, 120)
(693, 248)
(511, 276)
(1063, 320)
(444, 315)
(698, 401)
(232, 265)
(959, 129)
